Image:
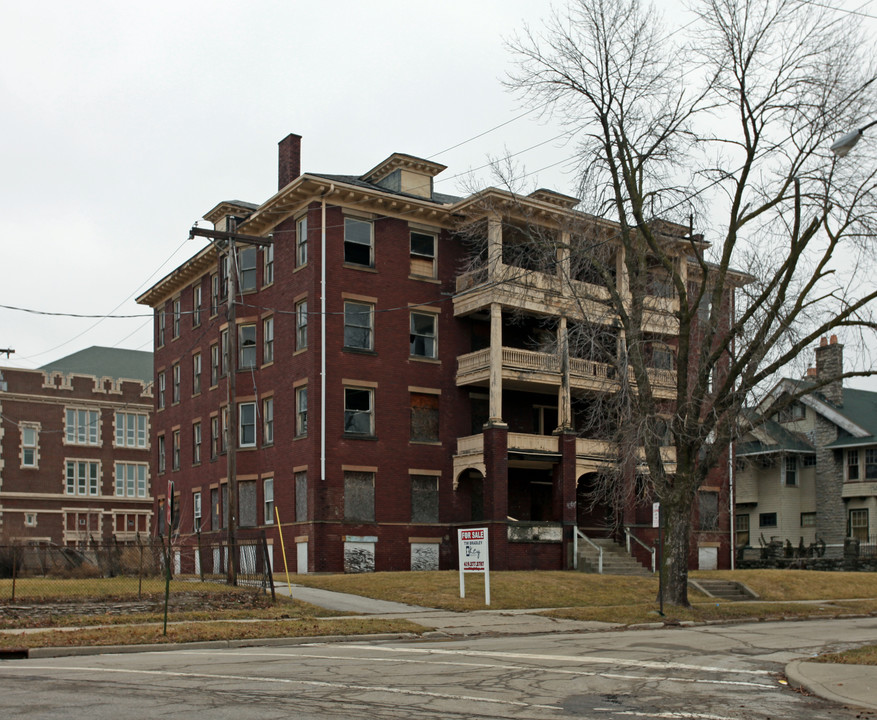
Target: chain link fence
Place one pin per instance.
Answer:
(130, 569)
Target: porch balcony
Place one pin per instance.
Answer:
(525, 368)
(471, 448)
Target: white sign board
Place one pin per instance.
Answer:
(474, 558)
(656, 515)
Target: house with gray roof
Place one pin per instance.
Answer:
(807, 470)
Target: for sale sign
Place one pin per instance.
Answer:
(474, 558)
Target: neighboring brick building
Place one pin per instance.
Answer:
(810, 471)
(386, 392)
(75, 448)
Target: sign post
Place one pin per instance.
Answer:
(474, 558)
(656, 523)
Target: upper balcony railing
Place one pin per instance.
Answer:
(474, 367)
(596, 449)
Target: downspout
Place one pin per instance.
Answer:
(323, 331)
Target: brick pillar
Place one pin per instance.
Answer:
(496, 493)
(564, 492)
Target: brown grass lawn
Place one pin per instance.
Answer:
(203, 610)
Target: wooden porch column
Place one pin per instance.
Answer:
(494, 247)
(495, 405)
(564, 398)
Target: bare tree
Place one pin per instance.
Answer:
(732, 128)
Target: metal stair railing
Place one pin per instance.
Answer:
(575, 539)
(628, 534)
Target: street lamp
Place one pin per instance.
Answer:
(843, 145)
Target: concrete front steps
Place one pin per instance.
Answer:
(726, 590)
(616, 561)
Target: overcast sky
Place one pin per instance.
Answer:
(123, 123)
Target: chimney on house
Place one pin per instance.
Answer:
(829, 366)
(289, 160)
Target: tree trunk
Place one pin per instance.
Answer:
(677, 531)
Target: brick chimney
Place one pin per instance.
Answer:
(829, 365)
(289, 160)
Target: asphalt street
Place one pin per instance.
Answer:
(717, 672)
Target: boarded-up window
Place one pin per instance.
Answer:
(214, 509)
(424, 417)
(225, 506)
(424, 499)
(359, 496)
(301, 496)
(247, 503)
(709, 510)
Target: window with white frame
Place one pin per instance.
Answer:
(82, 477)
(358, 323)
(30, 438)
(177, 314)
(161, 453)
(268, 264)
(131, 479)
(301, 411)
(196, 443)
(196, 373)
(214, 365)
(224, 359)
(214, 294)
(423, 335)
(268, 496)
(223, 434)
(359, 411)
(423, 254)
(196, 509)
(214, 437)
(82, 426)
(196, 304)
(871, 464)
(268, 340)
(248, 258)
(246, 347)
(790, 471)
(301, 325)
(176, 380)
(131, 430)
(268, 421)
(176, 450)
(858, 529)
(301, 241)
(852, 464)
(160, 391)
(159, 327)
(358, 242)
(247, 424)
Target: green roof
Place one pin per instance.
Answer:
(860, 407)
(786, 442)
(116, 363)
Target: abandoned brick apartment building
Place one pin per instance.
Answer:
(390, 385)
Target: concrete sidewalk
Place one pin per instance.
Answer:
(845, 684)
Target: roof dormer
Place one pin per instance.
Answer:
(405, 174)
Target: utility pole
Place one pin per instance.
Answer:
(230, 359)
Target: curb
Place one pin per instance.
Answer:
(54, 652)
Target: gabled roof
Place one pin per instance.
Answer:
(771, 437)
(116, 363)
